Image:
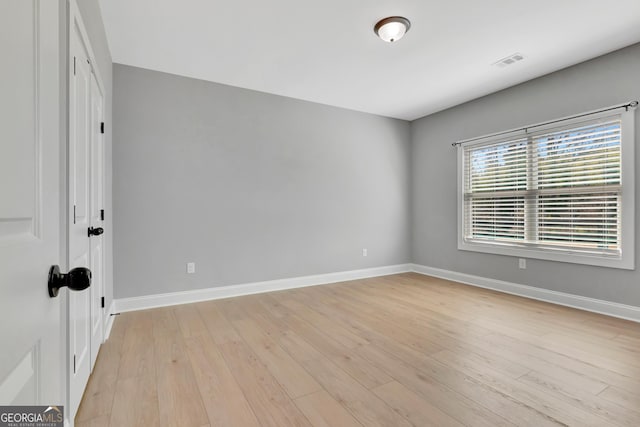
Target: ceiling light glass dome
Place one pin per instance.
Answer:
(392, 29)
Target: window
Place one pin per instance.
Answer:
(561, 192)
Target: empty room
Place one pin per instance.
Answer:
(289, 213)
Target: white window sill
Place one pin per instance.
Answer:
(560, 255)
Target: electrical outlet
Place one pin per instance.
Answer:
(364, 252)
(191, 267)
(522, 264)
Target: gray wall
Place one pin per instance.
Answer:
(92, 18)
(248, 185)
(602, 82)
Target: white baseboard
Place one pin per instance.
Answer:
(622, 311)
(613, 309)
(185, 297)
(109, 324)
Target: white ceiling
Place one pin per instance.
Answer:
(326, 51)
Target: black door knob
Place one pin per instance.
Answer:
(95, 231)
(77, 279)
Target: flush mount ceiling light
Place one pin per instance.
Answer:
(392, 29)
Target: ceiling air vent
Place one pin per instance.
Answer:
(509, 60)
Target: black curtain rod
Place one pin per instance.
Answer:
(626, 106)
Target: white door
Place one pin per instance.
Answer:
(96, 219)
(79, 215)
(31, 336)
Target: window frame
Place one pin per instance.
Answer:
(627, 220)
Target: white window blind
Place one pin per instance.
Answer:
(557, 190)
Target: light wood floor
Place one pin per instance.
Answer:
(395, 351)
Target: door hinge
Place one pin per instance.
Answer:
(101, 214)
(101, 127)
(102, 302)
(74, 65)
(74, 214)
(74, 363)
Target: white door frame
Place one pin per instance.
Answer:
(75, 22)
(97, 205)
